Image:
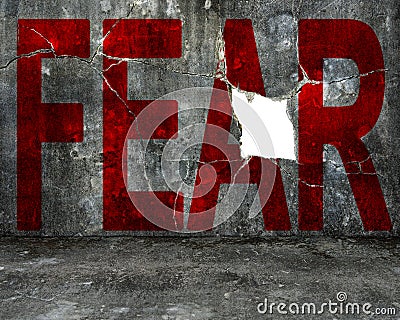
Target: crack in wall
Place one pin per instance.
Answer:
(89, 62)
(292, 177)
(220, 73)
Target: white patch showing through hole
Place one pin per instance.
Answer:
(273, 117)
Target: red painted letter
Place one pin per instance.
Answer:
(43, 122)
(243, 70)
(341, 127)
(147, 38)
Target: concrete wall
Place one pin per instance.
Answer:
(72, 190)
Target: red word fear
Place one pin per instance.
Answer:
(152, 38)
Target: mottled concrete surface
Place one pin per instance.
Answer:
(72, 191)
(192, 278)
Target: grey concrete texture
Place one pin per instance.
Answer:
(203, 278)
(72, 199)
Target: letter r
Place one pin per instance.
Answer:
(342, 127)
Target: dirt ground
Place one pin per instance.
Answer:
(195, 278)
